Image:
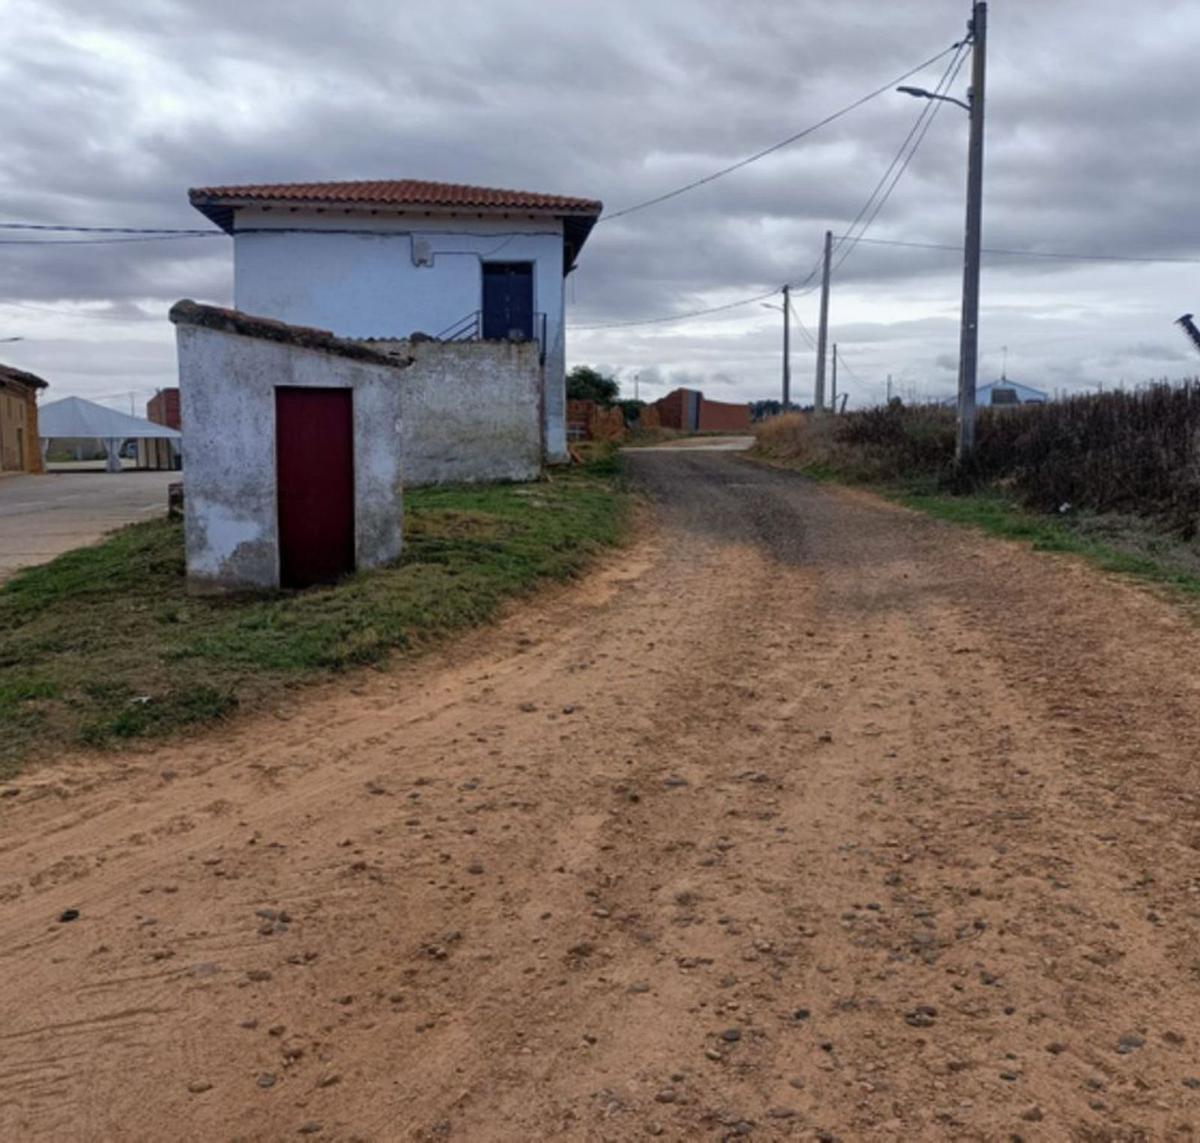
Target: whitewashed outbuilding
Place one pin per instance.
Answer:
(388, 259)
(300, 444)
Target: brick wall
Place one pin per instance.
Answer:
(675, 412)
(163, 409)
(719, 416)
(672, 410)
(579, 419)
(588, 421)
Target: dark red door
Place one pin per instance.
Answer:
(314, 456)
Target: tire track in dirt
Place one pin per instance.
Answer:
(806, 817)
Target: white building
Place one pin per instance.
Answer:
(1003, 393)
(389, 259)
(300, 444)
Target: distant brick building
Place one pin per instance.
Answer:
(722, 417)
(163, 409)
(20, 446)
(689, 411)
(589, 421)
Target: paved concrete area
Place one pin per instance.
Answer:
(43, 516)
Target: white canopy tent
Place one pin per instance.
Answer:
(73, 417)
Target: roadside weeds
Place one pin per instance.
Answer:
(1122, 545)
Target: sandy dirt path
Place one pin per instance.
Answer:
(806, 817)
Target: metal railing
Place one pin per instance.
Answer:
(470, 328)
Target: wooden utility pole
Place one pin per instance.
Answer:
(823, 331)
(968, 358)
(833, 379)
(787, 349)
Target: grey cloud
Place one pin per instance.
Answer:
(121, 106)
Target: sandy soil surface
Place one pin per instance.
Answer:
(806, 817)
(43, 516)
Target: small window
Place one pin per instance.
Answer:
(1004, 397)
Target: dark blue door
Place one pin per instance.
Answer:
(507, 300)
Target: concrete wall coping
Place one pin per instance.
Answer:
(187, 312)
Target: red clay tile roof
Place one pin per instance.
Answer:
(578, 214)
(397, 192)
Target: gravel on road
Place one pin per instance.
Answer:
(803, 817)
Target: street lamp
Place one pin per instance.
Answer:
(968, 355)
(787, 350)
(921, 93)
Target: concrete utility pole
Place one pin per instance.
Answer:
(968, 352)
(823, 330)
(833, 379)
(968, 357)
(787, 348)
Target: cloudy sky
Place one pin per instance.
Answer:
(113, 109)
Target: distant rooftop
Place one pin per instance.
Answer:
(20, 377)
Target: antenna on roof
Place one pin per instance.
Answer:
(1004, 367)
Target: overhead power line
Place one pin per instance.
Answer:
(904, 156)
(900, 153)
(102, 241)
(683, 316)
(846, 366)
(809, 283)
(797, 289)
(808, 337)
(1061, 255)
(795, 138)
(196, 232)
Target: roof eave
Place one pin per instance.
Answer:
(216, 210)
(576, 229)
(577, 223)
(20, 377)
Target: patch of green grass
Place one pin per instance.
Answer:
(1127, 546)
(1123, 552)
(104, 644)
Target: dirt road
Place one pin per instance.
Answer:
(806, 817)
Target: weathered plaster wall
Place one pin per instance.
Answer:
(356, 275)
(227, 388)
(424, 413)
(469, 411)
